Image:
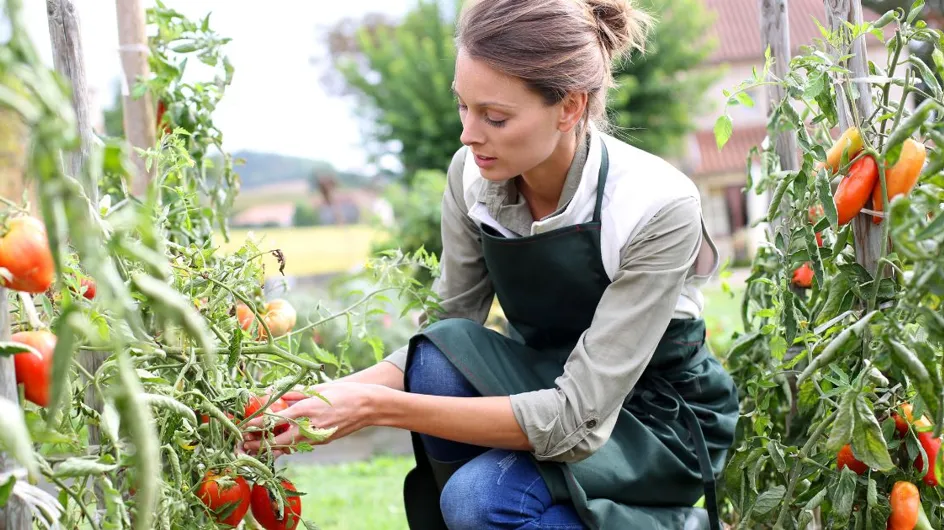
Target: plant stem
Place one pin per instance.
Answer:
(250, 305)
(347, 310)
(76, 498)
(795, 468)
(886, 90)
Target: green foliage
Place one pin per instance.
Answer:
(401, 74)
(418, 212)
(820, 368)
(660, 93)
(161, 328)
(305, 215)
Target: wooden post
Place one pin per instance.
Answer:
(15, 515)
(69, 60)
(139, 119)
(868, 236)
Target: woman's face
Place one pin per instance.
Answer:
(508, 127)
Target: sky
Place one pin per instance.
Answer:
(276, 102)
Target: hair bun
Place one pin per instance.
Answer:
(621, 26)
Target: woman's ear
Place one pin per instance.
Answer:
(573, 108)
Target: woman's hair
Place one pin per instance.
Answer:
(555, 46)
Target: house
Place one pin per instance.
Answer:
(721, 175)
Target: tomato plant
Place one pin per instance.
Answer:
(279, 511)
(153, 369)
(835, 364)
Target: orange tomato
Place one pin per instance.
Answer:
(850, 140)
(280, 316)
(25, 254)
(901, 178)
(244, 315)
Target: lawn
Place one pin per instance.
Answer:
(354, 496)
(311, 250)
(369, 496)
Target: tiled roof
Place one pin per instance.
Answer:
(737, 27)
(708, 160)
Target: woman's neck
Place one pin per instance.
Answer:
(543, 185)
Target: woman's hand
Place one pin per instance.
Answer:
(349, 408)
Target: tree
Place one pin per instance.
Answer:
(401, 74)
(660, 92)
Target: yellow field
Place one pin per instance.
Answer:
(310, 250)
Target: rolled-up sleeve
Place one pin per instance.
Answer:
(463, 284)
(570, 422)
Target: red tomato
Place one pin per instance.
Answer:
(89, 285)
(931, 446)
(265, 508)
(256, 402)
(845, 458)
(803, 276)
(226, 496)
(900, 424)
(32, 370)
(24, 252)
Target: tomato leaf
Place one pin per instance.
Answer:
(806, 516)
(167, 402)
(62, 360)
(724, 127)
(867, 440)
(769, 500)
(843, 496)
(15, 438)
(841, 432)
(81, 467)
(826, 198)
(9, 349)
(776, 455)
(6, 489)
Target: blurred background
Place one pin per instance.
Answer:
(342, 120)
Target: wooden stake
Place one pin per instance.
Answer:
(868, 236)
(139, 119)
(69, 60)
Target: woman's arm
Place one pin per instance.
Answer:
(484, 421)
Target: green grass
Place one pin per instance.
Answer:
(354, 496)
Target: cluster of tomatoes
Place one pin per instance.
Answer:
(229, 496)
(861, 186)
(905, 498)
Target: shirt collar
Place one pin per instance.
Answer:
(510, 208)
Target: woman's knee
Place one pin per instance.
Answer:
(431, 372)
(502, 490)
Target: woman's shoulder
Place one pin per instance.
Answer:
(635, 170)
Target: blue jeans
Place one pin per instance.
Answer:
(494, 489)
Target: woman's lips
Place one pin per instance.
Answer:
(485, 162)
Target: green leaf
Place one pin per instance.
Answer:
(776, 455)
(806, 516)
(778, 347)
(169, 403)
(916, 10)
(745, 99)
(825, 195)
(724, 127)
(868, 444)
(81, 467)
(6, 489)
(235, 348)
(932, 229)
(841, 433)
(843, 497)
(8, 349)
(773, 211)
(769, 500)
(62, 359)
(15, 438)
(139, 90)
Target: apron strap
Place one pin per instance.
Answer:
(701, 449)
(601, 180)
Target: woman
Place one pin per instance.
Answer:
(604, 409)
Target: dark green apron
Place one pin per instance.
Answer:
(676, 424)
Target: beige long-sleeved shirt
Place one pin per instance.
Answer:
(572, 420)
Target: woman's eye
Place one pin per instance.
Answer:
(495, 123)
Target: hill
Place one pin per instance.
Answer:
(266, 169)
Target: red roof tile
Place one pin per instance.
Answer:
(708, 160)
(737, 27)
